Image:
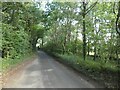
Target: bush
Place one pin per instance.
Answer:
(15, 45)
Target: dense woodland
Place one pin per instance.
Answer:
(85, 35)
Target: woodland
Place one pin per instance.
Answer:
(84, 35)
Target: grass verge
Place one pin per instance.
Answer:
(106, 73)
(8, 63)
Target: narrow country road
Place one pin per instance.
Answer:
(45, 72)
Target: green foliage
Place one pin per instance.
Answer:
(19, 31)
(64, 22)
(15, 45)
(53, 47)
(65, 28)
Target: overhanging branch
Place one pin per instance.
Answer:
(114, 8)
(117, 19)
(89, 8)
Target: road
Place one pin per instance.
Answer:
(45, 72)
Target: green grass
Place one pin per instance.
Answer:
(7, 63)
(106, 73)
(89, 64)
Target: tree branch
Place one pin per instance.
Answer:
(114, 8)
(92, 6)
(3, 10)
(117, 19)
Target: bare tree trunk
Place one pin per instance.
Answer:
(75, 50)
(95, 48)
(94, 53)
(84, 29)
(42, 42)
(117, 20)
(88, 47)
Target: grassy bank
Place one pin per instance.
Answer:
(106, 73)
(8, 63)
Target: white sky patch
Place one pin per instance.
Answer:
(43, 3)
(74, 22)
(80, 36)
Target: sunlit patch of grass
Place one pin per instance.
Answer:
(110, 66)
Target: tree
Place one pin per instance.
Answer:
(85, 10)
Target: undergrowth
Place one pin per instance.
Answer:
(99, 70)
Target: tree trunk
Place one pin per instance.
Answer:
(75, 50)
(88, 47)
(64, 45)
(94, 53)
(34, 42)
(117, 20)
(84, 29)
(42, 42)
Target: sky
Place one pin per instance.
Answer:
(43, 3)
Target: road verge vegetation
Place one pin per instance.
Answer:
(105, 73)
(8, 63)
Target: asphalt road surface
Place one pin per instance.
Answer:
(45, 72)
